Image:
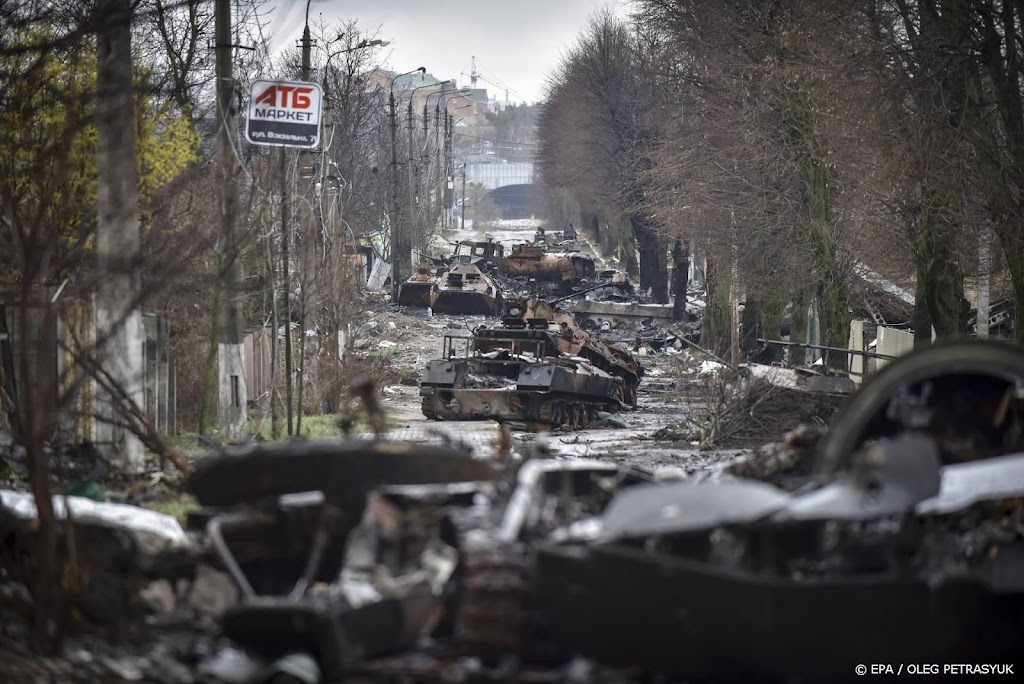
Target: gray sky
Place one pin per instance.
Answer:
(516, 42)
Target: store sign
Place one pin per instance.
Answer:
(284, 114)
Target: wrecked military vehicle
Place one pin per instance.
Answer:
(535, 367)
(899, 551)
(465, 289)
(419, 286)
(896, 537)
(899, 537)
(536, 262)
(375, 559)
(459, 285)
(279, 517)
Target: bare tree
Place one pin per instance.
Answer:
(596, 135)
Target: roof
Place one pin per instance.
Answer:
(415, 80)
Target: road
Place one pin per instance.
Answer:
(416, 338)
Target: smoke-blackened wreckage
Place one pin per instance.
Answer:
(893, 536)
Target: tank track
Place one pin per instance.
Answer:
(557, 412)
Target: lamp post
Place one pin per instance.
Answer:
(395, 207)
(442, 158)
(412, 167)
(328, 140)
(463, 217)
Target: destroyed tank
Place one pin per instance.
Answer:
(535, 261)
(536, 367)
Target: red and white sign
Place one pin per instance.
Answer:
(284, 114)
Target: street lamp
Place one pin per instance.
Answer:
(395, 207)
(329, 169)
(463, 217)
(366, 44)
(446, 180)
(446, 93)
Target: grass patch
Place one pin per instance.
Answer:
(314, 427)
(381, 353)
(320, 426)
(179, 506)
(188, 443)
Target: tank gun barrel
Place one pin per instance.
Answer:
(585, 291)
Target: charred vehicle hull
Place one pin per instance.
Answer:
(528, 391)
(702, 622)
(417, 291)
(537, 369)
(535, 261)
(898, 538)
(465, 289)
(459, 284)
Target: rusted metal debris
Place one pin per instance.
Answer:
(535, 367)
(371, 561)
(896, 553)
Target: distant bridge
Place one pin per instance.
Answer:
(511, 184)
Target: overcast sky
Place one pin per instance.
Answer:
(516, 42)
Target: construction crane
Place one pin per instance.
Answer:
(475, 76)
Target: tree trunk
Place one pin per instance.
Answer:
(769, 323)
(653, 259)
(922, 320)
(939, 302)
(210, 367)
(798, 327)
(715, 330)
(38, 418)
(833, 290)
(680, 278)
(1013, 250)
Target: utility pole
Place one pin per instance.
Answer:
(232, 396)
(396, 209)
(441, 171)
(306, 218)
(412, 234)
(463, 196)
(118, 321)
(286, 230)
(449, 168)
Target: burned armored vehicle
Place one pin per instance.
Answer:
(466, 286)
(417, 289)
(466, 289)
(459, 285)
(535, 367)
(486, 254)
(536, 262)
